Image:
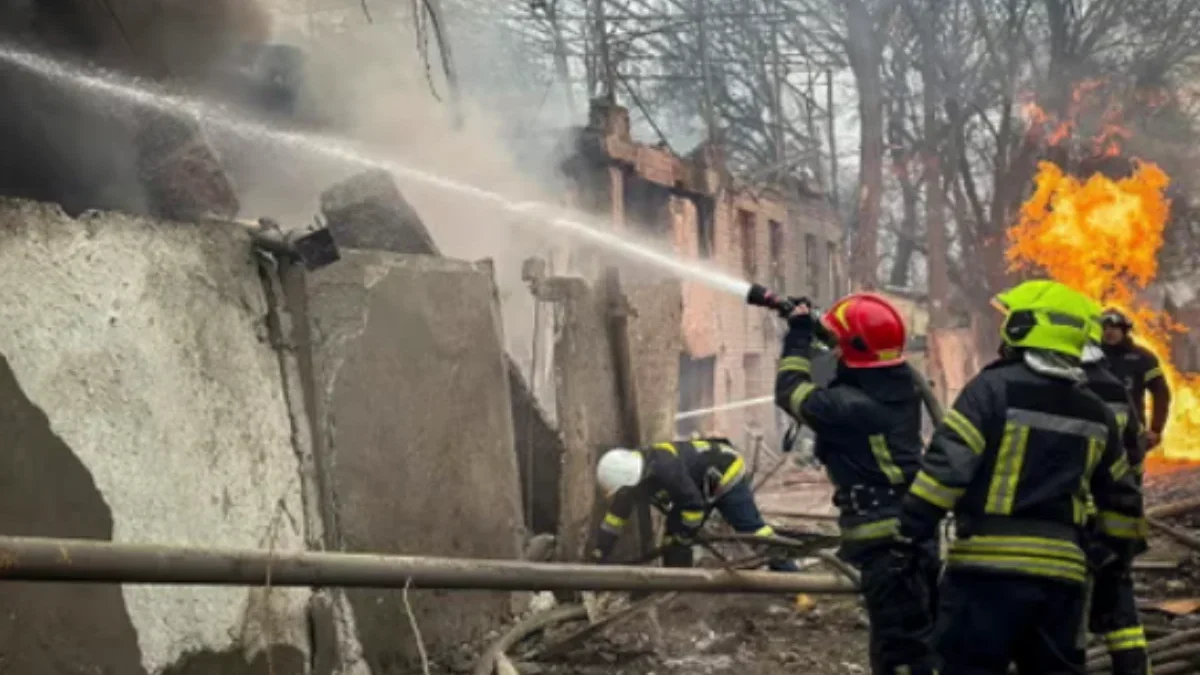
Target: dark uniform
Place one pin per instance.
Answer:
(1141, 372)
(867, 424)
(686, 480)
(1015, 459)
(1114, 614)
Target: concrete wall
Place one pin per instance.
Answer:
(141, 402)
(610, 166)
(414, 434)
(157, 385)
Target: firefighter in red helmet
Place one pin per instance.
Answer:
(867, 424)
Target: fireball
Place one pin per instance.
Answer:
(1102, 237)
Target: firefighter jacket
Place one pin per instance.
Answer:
(1140, 370)
(1015, 459)
(682, 479)
(867, 424)
(1103, 383)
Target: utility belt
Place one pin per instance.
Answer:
(864, 500)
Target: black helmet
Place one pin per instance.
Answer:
(1114, 317)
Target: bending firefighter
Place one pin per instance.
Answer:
(1113, 613)
(1016, 459)
(867, 424)
(1139, 370)
(686, 480)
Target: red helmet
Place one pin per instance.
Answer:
(869, 331)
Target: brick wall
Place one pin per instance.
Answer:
(793, 248)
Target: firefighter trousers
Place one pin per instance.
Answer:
(900, 605)
(1114, 616)
(987, 621)
(738, 508)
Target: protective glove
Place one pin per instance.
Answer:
(902, 556)
(803, 320)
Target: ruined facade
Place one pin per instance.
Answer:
(786, 240)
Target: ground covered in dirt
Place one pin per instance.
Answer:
(823, 635)
(718, 635)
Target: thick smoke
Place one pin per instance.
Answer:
(369, 83)
(80, 153)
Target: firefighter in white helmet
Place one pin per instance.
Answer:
(686, 480)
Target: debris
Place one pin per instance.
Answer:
(542, 602)
(1176, 508)
(1186, 538)
(804, 602)
(367, 211)
(487, 662)
(1181, 607)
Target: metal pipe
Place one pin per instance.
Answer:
(76, 560)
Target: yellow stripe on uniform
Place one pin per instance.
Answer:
(1032, 547)
(883, 457)
(691, 517)
(880, 529)
(928, 488)
(1154, 373)
(669, 447)
(1120, 467)
(1125, 639)
(959, 424)
(765, 531)
(794, 364)
(1002, 493)
(1082, 503)
(1031, 566)
(797, 398)
(1122, 527)
(612, 523)
(733, 473)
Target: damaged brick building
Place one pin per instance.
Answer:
(785, 238)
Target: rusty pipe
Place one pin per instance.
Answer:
(90, 561)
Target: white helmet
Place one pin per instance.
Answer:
(619, 468)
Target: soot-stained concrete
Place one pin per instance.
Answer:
(414, 426)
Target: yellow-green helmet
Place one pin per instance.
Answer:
(1044, 314)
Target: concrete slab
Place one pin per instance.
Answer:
(655, 343)
(589, 413)
(367, 211)
(414, 427)
(162, 420)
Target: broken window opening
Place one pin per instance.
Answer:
(746, 234)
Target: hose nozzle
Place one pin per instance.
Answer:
(761, 296)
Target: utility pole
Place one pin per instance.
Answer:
(706, 71)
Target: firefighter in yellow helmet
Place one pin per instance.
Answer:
(1015, 459)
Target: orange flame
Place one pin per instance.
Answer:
(1102, 237)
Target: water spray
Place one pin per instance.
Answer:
(344, 151)
(734, 405)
